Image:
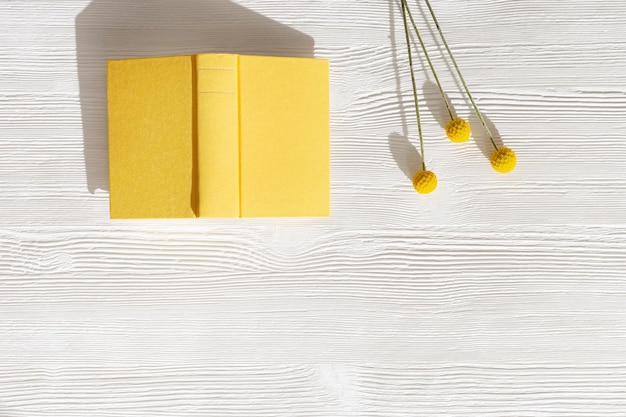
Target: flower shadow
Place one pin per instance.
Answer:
(403, 151)
(480, 136)
(435, 103)
(405, 154)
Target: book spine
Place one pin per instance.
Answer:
(217, 101)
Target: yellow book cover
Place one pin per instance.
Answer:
(219, 135)
(150, 137)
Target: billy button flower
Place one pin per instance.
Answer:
(457, 129)
(424, 181)
(502, 159)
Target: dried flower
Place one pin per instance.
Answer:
(424, 181)
(458, 130)
(503, 160)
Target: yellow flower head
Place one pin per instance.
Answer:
(424, 181)
(503, 160)
(458, 130)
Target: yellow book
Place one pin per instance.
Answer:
(219, 135)
(151, 137)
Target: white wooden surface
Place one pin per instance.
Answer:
(495, 296)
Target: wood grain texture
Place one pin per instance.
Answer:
(498, 295)
(316, 390)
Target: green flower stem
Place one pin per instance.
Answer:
(417, 109)
(443, 39)
(430, 63)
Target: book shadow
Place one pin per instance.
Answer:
(118, 29)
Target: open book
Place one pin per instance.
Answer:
(218, 135)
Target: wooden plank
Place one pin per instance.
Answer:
(494, 296)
